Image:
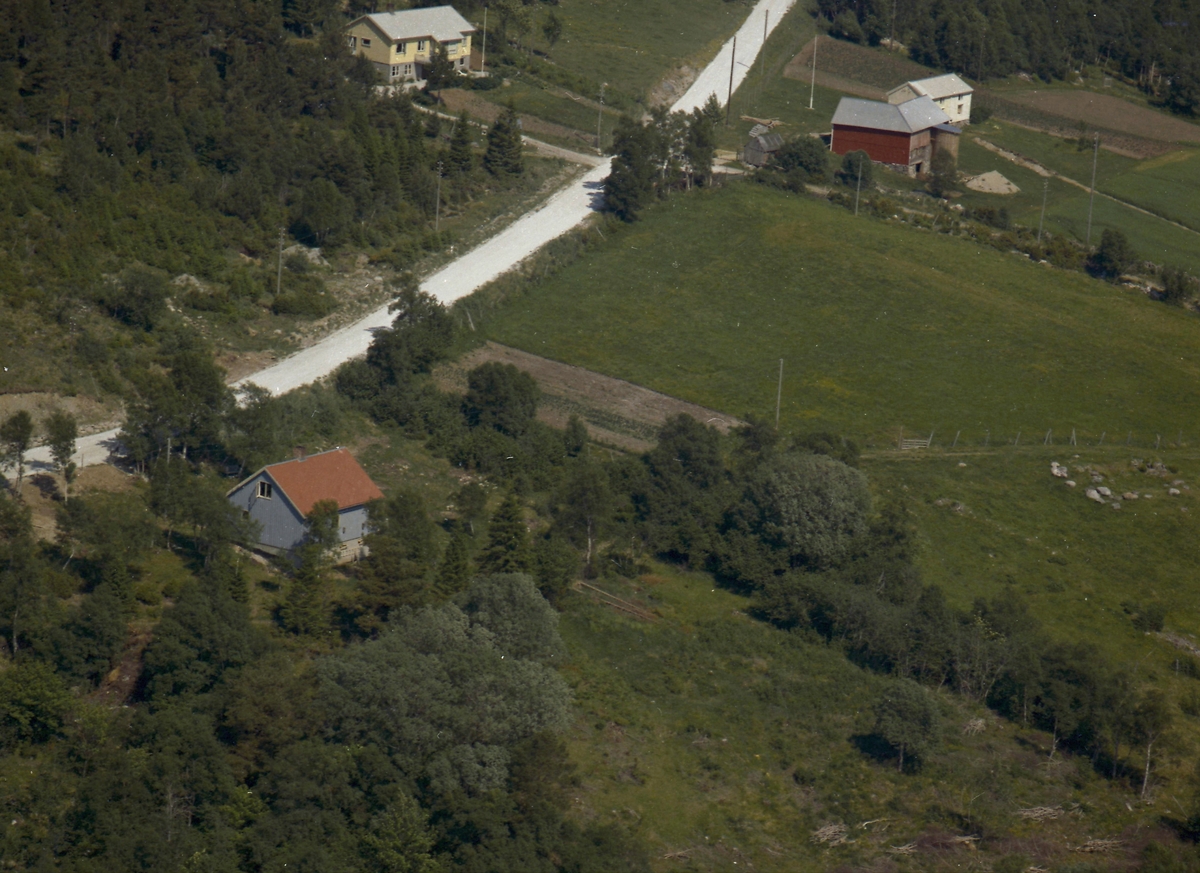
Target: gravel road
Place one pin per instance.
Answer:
(560, 213)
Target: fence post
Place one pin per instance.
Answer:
(1129, 439)
(953, 444)
(1073, 437)
(1017, 441)
(987, 438)
(1103, 434)
(1046, 441)
(1157, 441)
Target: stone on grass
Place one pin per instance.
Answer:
(1093, 494)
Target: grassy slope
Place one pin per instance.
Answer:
(880, 326)
(631, 44)
(722, 738)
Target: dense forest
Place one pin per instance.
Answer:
(139, 143)
(1147, 43)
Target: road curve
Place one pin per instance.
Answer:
(563, 211)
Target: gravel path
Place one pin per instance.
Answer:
(501, 253)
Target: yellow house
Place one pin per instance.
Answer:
(400, 44)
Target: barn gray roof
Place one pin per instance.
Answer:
(909, 117)
(937, 87)
(443, 23)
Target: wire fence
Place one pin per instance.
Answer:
(976, 438)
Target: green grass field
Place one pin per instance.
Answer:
(880, 326)
(631, 44)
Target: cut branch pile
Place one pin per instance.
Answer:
(831, 834)
(1041, 813)
(906, 849)
(599, 595)
(974, 726)
(1100, 846)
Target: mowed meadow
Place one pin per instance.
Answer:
(881, 327)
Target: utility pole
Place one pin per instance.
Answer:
(762, 55)
(813, 91)
(599, 118)
(1042, 220)
(483, 60)
(858, 189)
(729, 100)
(762, 58)
(779, 394)
(1092, 196)
(437, 214)
(279, 275)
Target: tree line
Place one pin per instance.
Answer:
(1147, 43)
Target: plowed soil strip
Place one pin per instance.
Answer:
(616, 412)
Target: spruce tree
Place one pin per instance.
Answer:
(504, 149)
(507, 548)
(461, 158)
(455, 570)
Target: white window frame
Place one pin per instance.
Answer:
(420, 45)
(366, 42)
(265, 490)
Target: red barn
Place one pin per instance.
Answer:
(903, 135)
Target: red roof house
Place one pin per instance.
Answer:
(280, 497)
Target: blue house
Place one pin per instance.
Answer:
(280, 496)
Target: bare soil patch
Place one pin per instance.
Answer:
(673, 85)
(92, 415)
(855, 69)
(456, 100)
(1113, 113)
(616, 412)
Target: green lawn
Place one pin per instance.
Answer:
(881, 326)
(1168, 185)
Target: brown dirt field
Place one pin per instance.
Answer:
(1103, 110)
(91, 415)
(855, 69)
(41, 492)
(616, 412)
(457, 100)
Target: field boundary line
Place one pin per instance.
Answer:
(1042, 170)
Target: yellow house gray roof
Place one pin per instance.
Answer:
(442, 23)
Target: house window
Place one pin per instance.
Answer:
(366, 42)
(401, 48)
(450, 47)
(395, 71)
(420, 45)
(353, 41)
(264, 490)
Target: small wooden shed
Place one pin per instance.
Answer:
(759, 149)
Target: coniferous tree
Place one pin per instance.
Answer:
(461, 159)
(507, 547)
(504, 149)
(455, 571)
